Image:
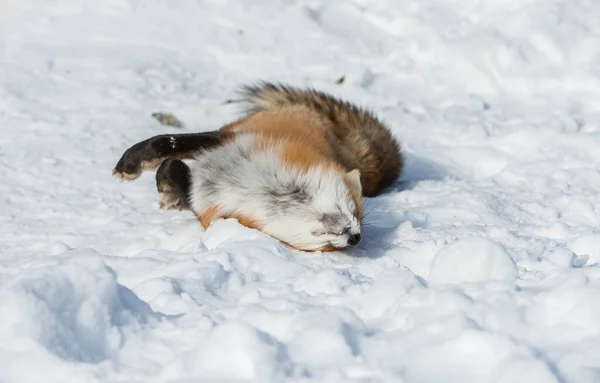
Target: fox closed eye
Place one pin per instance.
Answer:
(339, 232)
(344, 230)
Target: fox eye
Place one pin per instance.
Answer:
(344, 230)
(337, 232)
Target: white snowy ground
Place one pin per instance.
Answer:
(482, 265)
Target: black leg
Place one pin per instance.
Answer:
(150, 153)
(173, 181)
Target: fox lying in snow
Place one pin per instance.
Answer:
(294, 167)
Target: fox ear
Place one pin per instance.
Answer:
(354, 178)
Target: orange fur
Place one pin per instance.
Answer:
(305, 138)
(207, 215)
(246, 220)
(327, 248)
(294, 125)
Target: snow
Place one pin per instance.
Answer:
(479, 265)
(472, 260)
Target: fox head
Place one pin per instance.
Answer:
(311, 208)
(321, 210)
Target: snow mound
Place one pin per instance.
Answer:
(587, 246)
(526, 370)
(472, 260)
(234, 351)
(490, 351)
(69, 308)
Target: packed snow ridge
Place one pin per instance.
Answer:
(480, 265)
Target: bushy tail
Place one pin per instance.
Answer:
(339, 113)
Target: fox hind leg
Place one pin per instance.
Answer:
(150, 153)
(173, 181)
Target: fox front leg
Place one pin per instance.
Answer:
(173, 182)
(150, 153)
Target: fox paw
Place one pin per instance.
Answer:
(123, 176)
(130, 166)
(171, 202)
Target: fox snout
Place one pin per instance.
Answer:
(354, 239)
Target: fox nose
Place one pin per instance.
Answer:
(354, 239)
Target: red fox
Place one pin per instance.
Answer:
(295, 167)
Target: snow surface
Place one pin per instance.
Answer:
(481, 265)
